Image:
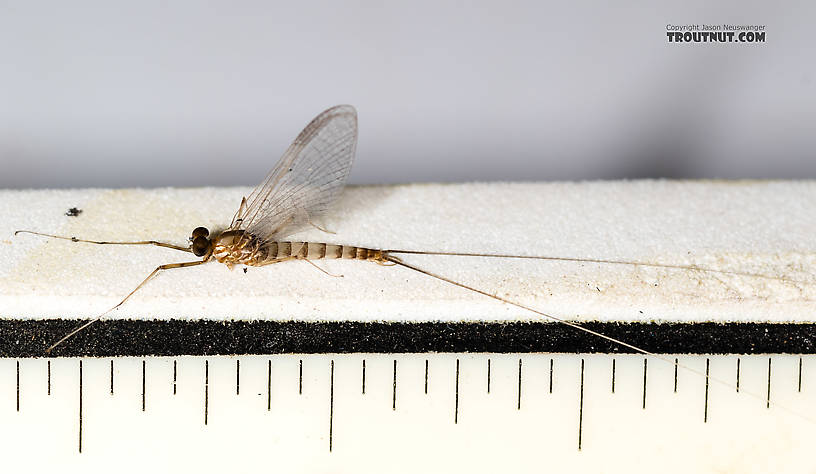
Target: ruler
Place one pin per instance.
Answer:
(410, 412)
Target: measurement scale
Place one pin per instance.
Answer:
(402, 413)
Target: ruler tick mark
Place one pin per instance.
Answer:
(581, 407)
(18, 385)
(613, 375)
(488, 375)
(206, 390)
(80, 406)
(800, 374)
(300, 377)
(237, 376)
(331, 405)
(394, 394)
(49, 377)
(269, 385)
(768, 399)
(111, 376)
(363, 376)
(456, 406)
(551, 375)
(143, 385)
(518, 403)
(426, 376)
(175, 375)
(705, 410)
(675, 374)
(644, 383)
(738, 368)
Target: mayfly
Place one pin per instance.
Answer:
(297, 192)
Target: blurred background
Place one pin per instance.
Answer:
(194, 93)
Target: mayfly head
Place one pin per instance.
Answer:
(200, 244)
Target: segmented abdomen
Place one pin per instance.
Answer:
(277, 251)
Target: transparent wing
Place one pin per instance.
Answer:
(307, 179)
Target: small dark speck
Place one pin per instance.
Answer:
(641, 312)
(245, 270)
(597, 288)
(73, 212)
(74, 239)
(290, 170)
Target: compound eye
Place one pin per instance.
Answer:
(200, 246)
(200, 232)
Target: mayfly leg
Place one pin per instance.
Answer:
(399, 262)
(166, 266)
(103, 242)
(322, 270)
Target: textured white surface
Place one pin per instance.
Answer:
(764, 227)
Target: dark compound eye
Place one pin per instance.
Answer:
(200, 232)
(200, 246)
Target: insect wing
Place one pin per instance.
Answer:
(307, 179)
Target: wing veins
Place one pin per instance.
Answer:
(306, 180)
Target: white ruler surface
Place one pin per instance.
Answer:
(409, 413)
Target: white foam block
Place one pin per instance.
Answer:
(756, 227)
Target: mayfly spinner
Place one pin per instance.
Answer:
(296, 193)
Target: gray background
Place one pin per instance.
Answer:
(154, 93)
